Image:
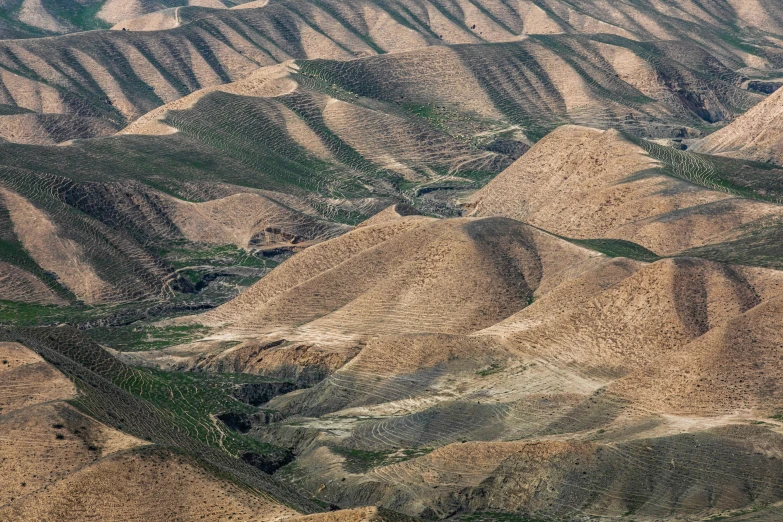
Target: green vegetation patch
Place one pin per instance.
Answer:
(9, 110)
(185, 401)
(488, 516)
(194, 254)
(143, 337)
(31, 314)
(361, 461)
(490, 370)
(190, 399)
(619, 248)
(741, 178)
(83, 17)
(171, 409)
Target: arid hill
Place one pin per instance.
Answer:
(567, 376)
(264, 164)
(372, 261)
(37, 18)
(755, 135)
(60, 464)
(586, 184)
(120, 75)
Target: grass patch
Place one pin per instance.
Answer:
(361, 461)
(619, 248)
(144, 337)
(171, 409)
(30, 314)
(490, 370)
(759, 244)
(488, 516)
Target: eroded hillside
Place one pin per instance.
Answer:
(354, 261)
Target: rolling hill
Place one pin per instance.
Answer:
(37, 18)
(692, 52)
(587, 184)
(363, 260)
(754, 136)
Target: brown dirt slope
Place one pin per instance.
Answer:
(20, 285)
(80, 252)
(661, 306)
(404, 274)
(543, 81)
(143, 484)
(584, 183)
(756, 135)
(732, 367)
(51, 129)
(29, 380)
(588, 476)
(56, 463)
(121, 75)
(458, 23)
(411, 274)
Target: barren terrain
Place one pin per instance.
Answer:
(371, 261)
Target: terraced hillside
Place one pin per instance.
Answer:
(588, 184)
(754, 136)
(263, 167)
(37, 18)
(673, 90)
(361, 260)
(119, 75)
(558, 391)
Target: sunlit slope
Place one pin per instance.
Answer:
(450, 276)
(398, 274)
(571, 391)
(259, 163)
(61, 464)
(120, 75)
(39, 18)
(756, 135)
(663, 89)
(584, 183)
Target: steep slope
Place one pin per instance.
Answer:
(585, 184)
(595, 412)
(102, 243)
(755, 135)
(36, 18)
(733, 367)
(661, 89)
(60, 464)
(413, 285)
(589, 326)
(86, 257)
(120, 75)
